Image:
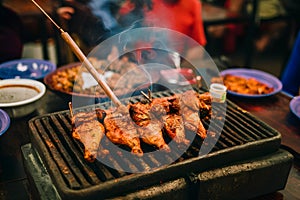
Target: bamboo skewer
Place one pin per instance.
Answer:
(146, 96)
(86, 63)
(71, 110)
(149, 96)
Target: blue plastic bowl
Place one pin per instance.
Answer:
(26, 68)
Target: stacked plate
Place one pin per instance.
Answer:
(26, 68)
(295, 106)
(4, 121)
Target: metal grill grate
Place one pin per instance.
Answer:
(243, 136)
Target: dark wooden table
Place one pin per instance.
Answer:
(274, 111)
(13, 179)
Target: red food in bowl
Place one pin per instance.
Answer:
(183, 76)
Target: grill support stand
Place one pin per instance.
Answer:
(243, 180)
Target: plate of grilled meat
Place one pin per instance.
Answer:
(122, 76)
(250, 83)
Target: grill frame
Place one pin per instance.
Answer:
(127, 183)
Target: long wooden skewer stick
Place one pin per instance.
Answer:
(80, 55)
(71, 110)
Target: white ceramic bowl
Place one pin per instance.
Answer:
(19, 97)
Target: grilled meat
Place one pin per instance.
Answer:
(176, 113)
(83, 117)
(174, 127)
(120, 129)
(191, 106)
(143, 121)
(151, 134)
(244, 85)
(160, 106)
(190, 99)
(89, 131)
(192, 122)
(139, 112)
(149, 127)
(205, 106)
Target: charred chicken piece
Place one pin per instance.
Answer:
(139, 112)
(190, 99)
(190, 108)
(160, 106)
(174, 127)
(120, 129)
(205, 106)
(192, 122)
(149, 127)
(83, 117)
(89, 131)
(151, 134)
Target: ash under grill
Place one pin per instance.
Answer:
(243, 137)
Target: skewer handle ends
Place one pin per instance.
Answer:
(80, 55)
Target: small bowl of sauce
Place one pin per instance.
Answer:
(19, 97)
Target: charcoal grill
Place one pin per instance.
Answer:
(245, 156)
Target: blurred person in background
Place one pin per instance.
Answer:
(291, 75)
(272, 30)
(178, 15)
(267, 31)
(106, 10)
(10, 35)
(183, 16)
(91, 20)
(228, 33)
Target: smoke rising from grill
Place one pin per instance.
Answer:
(152, 50)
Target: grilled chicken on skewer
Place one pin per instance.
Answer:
(174, 127)
(82, 117)
(144, 121)
(151, 134)
(167, 110)
(120, 129)
(149, 127)
(89, 131)
(190, 107)
(192, 122)
(205, 105)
